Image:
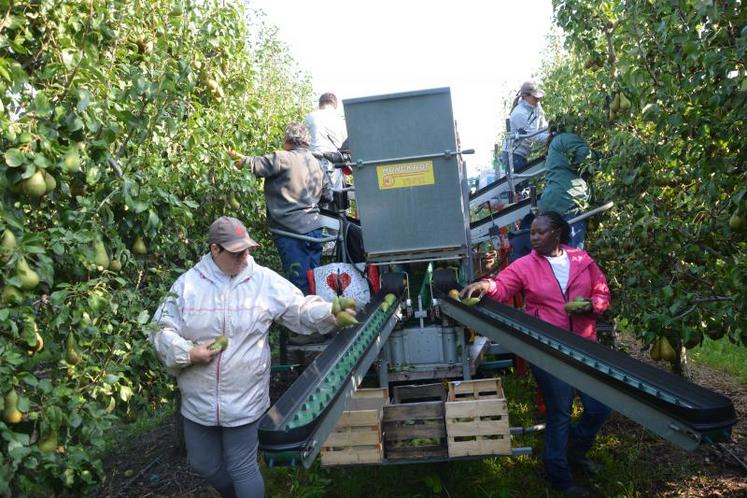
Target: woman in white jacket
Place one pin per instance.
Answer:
(224, 393)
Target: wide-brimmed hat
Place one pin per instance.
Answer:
(531, 88)
(230, 234)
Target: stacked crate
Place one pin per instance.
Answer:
(477, 419)
(414, 427)
(356, 438)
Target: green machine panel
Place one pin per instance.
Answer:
(410, 185)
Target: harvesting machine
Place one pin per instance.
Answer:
(414, 208)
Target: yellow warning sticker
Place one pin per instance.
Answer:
(404, 175)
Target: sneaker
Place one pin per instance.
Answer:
(585, 465)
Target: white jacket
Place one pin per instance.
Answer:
(328, 132)
(531, 119)
(204, 303)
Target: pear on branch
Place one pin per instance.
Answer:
(11, 413)
(100, 257)
(72, 355)
(29, 278)
(8, 242)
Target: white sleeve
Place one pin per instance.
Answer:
(172, 348)
(301, 314)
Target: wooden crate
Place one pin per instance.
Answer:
(356, 438)
(463, 390)
(419, 392)
(477, 419)
(415, 429)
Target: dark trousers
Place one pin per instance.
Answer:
(299, 256)
(519, 161)
(564, 441)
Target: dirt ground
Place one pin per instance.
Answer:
(154, 466)
(151, 466)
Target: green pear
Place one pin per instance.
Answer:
(347, 303)
(8, 243)
(655, 352)
(71, 161)
(35, 186)
(736, 222)
(100, 257)
(115, 265)
(29, 278)
(624, 102)
(11, 414)
(667, 351)
(233, 202)
(11, 295)
(72, 355)
(578, 304)
(138, 247)
(219, 344)
(471, 301)
(50, 182)
(49, 444)
(345, 319)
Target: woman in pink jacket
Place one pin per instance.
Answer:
(551, 276)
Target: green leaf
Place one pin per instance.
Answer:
(30, 379)
(17, 451)
(153, 221)
(125, 393)
(143, 317)
(73, 122)
(111, 379)
(41, 105)
(84, 98)
(4, 72)
(41, 161)
(70, 58)
(14, 158)
(23, 404)
(28, 170)
(29, 335)
(76, 420)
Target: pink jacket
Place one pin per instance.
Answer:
(533, 275)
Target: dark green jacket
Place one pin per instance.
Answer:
(565, 191)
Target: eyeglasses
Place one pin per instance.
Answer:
(235, 255)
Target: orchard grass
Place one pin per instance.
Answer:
(723, 355)
(625, 457)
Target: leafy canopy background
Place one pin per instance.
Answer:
(129, 107)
